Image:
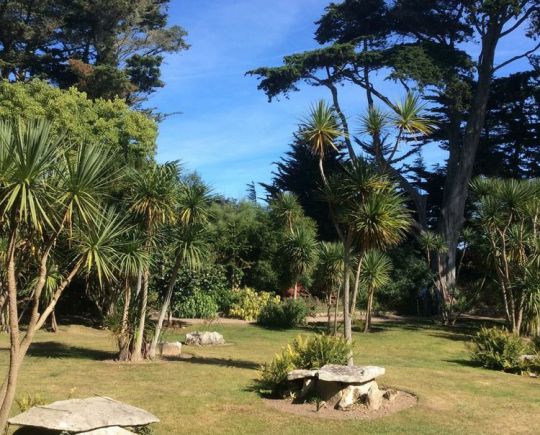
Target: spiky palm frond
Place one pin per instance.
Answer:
(408, 116)
(432, 242)
(382, 220)
(330, 265)
(99, 244)
(86, 178)
(321, 129)
(29, 158)
(155, 193)
(300, 247)
(286, 208)
(376, 269)
(194, 203)
(374, 121)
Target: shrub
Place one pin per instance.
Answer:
(248, 303)
(303, 353)
(499, 349)
(29, 401)
(198, 305)
(285, 314)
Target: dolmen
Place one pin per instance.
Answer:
(94, 415)
(339, 386)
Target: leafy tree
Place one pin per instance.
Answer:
(128, 134)
(300, 248)
(107, 48)
(298, 173)
(509, 143)
(50, 192)
(376, 268)
(424, 45)
(192, 210)
(153, 199)
(507, 215)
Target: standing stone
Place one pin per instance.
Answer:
(352, 393)
(374, 397)
(390, 395)
(170, 349)
(204, 338)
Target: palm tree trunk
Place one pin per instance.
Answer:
(295, 294)
(137, 350)
(356, 287)
(54, 323)
(165, 306)
(367, 324)
(124, 336)
(346, 297)
(336, 309)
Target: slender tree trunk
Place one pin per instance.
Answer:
(347, 326)
(165, 306)
(139, 336)
(124, 337)
(295, 294)
(336, 309)
(369, 308)
(54, 323)
(356, 287)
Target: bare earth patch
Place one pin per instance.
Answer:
(402, 401)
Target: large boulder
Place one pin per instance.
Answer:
(349, 374)
(170, 348)
(352, 393)
(83, 415)
(204, 338)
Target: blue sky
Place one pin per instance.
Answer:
(228, 132)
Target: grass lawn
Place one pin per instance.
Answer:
(211, 392)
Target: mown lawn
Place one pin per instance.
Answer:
(211, 393)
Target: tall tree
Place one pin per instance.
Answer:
(106, 48)
(423, 44)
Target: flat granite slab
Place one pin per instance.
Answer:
(301, 374)
(83, 415)
(350, 374)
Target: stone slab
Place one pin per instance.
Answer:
(350, 374)
(80, 415)
(301, 374)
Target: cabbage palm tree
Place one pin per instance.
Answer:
(376, 268)
(329, 275)
(321, 130)
(300, 247)
(154, 199)
(286, 209)
(49, 190)
(193, 211)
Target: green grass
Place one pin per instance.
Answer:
(211, 393)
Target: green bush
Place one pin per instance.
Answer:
(248, 303)
(285, 314)
(198, 305)
(303, 353)
(498, 349)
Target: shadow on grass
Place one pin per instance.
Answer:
(464, 362)
(223, 362)
(54, 349)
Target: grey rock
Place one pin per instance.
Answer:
(205, 338)
(390, 395)
(351, 394)
(80, 415)
(350, 374)
(170, 348)
(113, 430)
(374, 397)
(301, 374)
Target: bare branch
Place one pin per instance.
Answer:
(513, 59)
